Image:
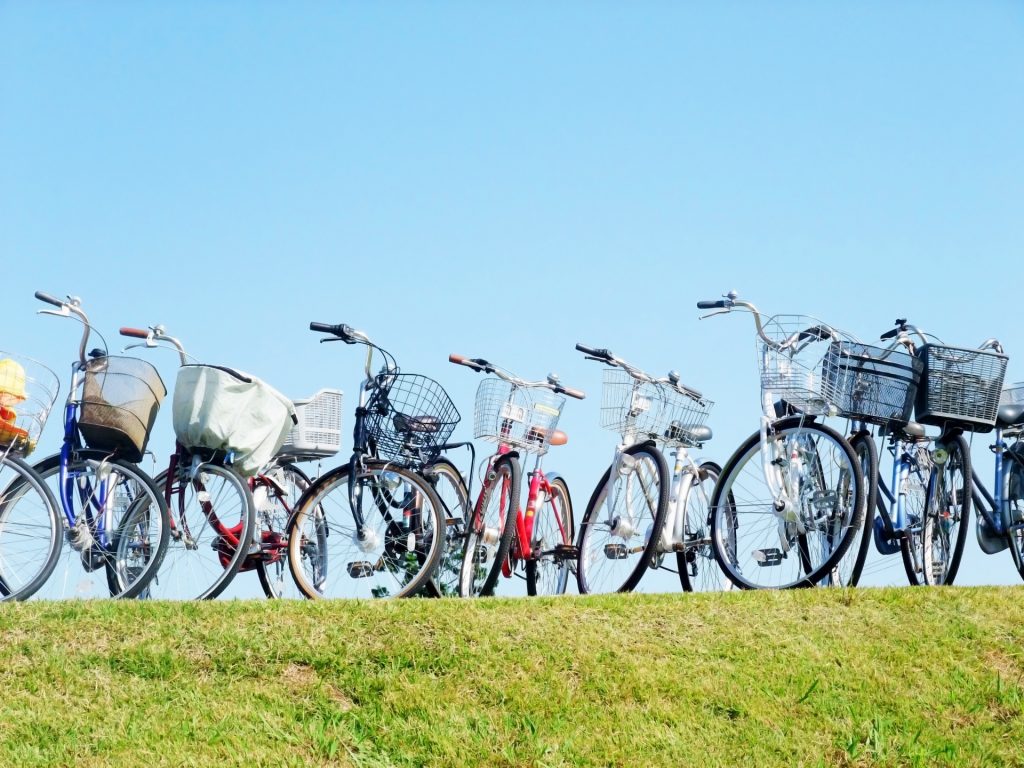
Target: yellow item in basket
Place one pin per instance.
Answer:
(11, 434)
(12, 382)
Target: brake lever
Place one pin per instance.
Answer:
(62, 312)
(139, 344)
(716, 312)
(324, 341)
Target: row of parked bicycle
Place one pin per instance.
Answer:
(797, 504)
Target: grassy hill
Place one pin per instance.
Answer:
(911, 676)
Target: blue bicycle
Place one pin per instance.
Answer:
(924, 511)
(115, 520)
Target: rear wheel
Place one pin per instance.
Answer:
(765, 538)
(915, 490)
(949, 511)
(698, 569)
(547, 570)
(451, 490)
(393, 553)
(490, 530)
(621, 528)
(847, 571)
(276, 494)
(30, 530)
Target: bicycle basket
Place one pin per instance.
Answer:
(960, 387)
(524, 417)
(28, 390)
(651, 410)
(1012, 395)
(793, 373)
(318, 433)
(409, 414)
(120, 400)
(869, 383)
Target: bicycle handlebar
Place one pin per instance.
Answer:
(600, 354)
(45, 297)
(135, 333)
(478, 364)
(579, 394)
(719, 304)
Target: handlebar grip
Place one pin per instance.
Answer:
(323, 327)
(720, 304)
(457, 359)
(593, 352)
(49, 299)
(891, 334)
(579, 394)
(136, 333)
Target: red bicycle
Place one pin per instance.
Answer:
(520, 416)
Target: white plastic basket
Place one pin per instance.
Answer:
(318, 433)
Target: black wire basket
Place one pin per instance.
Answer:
(871, 384)
(960, 387)
(408, 416)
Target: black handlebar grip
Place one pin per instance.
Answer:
(720, 304)
(322, 327)
(889, 334)
(603, 353)
(49, 299)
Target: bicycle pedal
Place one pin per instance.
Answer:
(616, 551)
(766, 558)
(360, 569)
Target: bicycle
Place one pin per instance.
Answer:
(640, 511)
(518, 415)
(791, 498)
(221, 419)
(924, 512)
(30, 523)
(374, 527)
(115, 520)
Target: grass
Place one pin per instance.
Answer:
(816, 677)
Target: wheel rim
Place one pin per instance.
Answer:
(484, 535)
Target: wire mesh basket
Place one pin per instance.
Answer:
(28, 390)
(120, 400)
(409, 414)
(524, 417)
(318, 432)
(960, 387)
(1013, 395)
(651, 410)
(871, 384)
(794, 372)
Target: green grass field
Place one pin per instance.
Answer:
(892, 677)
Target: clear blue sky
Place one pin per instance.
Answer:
(505, 180)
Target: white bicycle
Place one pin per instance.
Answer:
(640, 513)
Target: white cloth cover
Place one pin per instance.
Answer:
(217, 410)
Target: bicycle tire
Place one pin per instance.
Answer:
(742, 492)
(490, 531)
(848, 570)
(137, 489)
(916, 505)
(271, 564)
(454, 495)
(25, 503)
(322, 537)
(590, 567)
(948, 515)
(547, 571)
(698, 569)
(201, 559)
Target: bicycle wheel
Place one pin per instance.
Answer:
(762, 546)
(948, 513)
(492, 525)
(30, 530)
(212, 518)
(621, 528)
(698, 569)
(276, 494)
(120, 532)
(401, 542)
(454, 496)
(915, 490)
(847, 572)
(547, 570)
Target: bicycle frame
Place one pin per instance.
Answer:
(997, 512)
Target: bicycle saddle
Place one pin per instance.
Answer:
(427, 424)
(538, 435)
(1010, 415)
(692, 435)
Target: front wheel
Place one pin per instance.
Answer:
(622, 526)
(379, 536)
(119, 538)
(30, 530)
(785, 511)
(847, 572)
(547, 570)
(698, 569)
(451, 490)
(490, 530)
(276, 493)
(948, 513)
